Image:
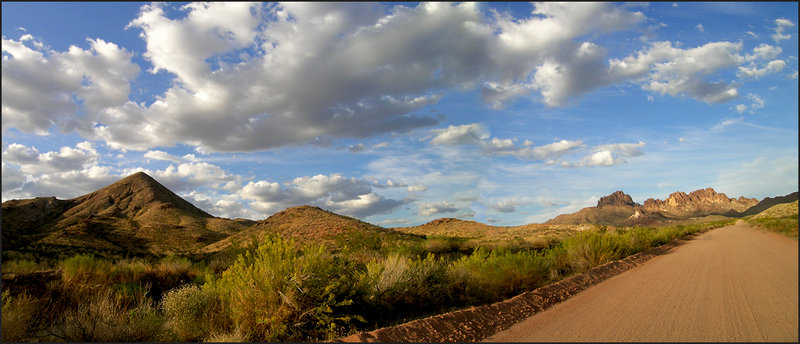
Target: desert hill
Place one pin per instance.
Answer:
(619, 209)
(778, 210)
(765, 204)
(450, 227)
(308, 224)
(135, 215)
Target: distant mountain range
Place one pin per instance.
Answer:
(618, 209)
(139, 216)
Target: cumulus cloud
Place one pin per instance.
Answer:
(675, 71)
(505, 206)
(349, 196)
(608, 155)
(460, 134)
(254, 76)
(66, 159)
(428, 209)
(781, 24)
(700, 28)
(161, 155)
(755, 104)
(39, 84)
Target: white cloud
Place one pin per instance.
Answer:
(428, 209)
(781, 25)
(700, 28)
(161, 155)
(608, 155)
(38, 85)
(460, 134)
(349, 196)
(755, 104)
(66, 159)
(677, 71)
(253, 76)
(754, 72)
(505, 206)
(393, 222)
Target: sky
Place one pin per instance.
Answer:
(401, 113)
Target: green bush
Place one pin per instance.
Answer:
(400, 283)
(85, 269)
(22, 266)
(189, 311)
(487, 276)
(278, 293)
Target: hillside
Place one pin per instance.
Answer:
(778, 210)
(765, 204)
(451, 227)
(134, 216)
(308, 224)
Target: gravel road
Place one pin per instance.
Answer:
(730, 284)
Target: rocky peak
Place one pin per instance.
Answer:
(619, 199)
(698, 203)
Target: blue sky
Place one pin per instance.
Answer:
(401, 113)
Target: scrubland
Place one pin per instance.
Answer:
(281, 290)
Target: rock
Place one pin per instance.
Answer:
(619, 199)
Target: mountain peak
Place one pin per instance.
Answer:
(134, 196)
(618, 198)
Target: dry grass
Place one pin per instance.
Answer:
(18, 312)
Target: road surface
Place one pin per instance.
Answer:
(733, 283)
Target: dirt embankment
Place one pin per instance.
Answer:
(476, 323)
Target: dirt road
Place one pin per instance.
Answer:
(729, 284)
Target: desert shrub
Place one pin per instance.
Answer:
(399, 283)
(22, 266)
(85, 269)
(227, 337)
(489, 275)
(191, 312)
(786, 225)
(558, 262)
(280, 293)
(130, 270)
(102, 317)
(441, 244)
(173, 266)
(666, 234)
(18, 312)
(592, 248)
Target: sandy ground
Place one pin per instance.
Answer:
(730, 284)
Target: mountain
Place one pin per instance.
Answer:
(698, 203)
(765, 204)
(309, 224)
(619, 209)
(135, 216)
(616, 209)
